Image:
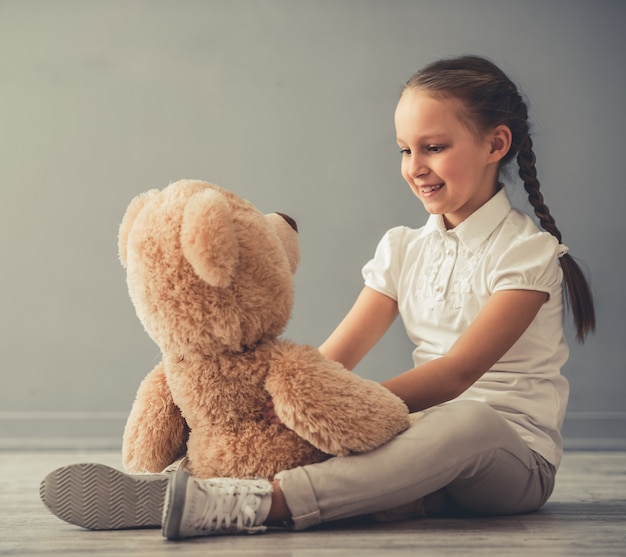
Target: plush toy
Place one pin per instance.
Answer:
(211, 279)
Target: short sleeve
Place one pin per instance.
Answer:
(383, 271)
(529, 263)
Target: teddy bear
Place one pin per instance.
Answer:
(211, 280)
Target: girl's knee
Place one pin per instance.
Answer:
(471, 412)
(468, 418)
(469, 428)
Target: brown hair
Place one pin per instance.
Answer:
(491, 99)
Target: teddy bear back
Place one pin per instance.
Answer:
(222, 399)
(206, 271)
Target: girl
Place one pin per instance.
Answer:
(479, 289)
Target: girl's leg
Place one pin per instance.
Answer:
(464, 446)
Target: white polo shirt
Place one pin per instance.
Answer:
(442, 278)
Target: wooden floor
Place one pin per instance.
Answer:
(586, 516)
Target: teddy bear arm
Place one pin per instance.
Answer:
(155, 432)
(335, 410)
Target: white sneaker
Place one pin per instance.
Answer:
(99, 497)
(215, 506)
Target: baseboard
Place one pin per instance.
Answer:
(102, 430)
(595, 431)
(93, 430)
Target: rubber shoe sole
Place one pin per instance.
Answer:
(174, 505)
(98, 497)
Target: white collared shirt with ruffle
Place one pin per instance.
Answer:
(442, 278)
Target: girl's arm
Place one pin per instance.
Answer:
(503, 319)
(364, 325)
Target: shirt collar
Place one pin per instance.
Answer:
(476, 228)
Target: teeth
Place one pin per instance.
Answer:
(433, 188)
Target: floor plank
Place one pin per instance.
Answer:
(585, 516)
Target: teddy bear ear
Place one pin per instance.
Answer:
(208, 237)
(135, 206)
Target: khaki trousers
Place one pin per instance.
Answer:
(465, 447)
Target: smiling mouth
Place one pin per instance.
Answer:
(430, 189)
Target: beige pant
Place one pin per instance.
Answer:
(465, 446)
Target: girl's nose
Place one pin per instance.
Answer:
(417, 168)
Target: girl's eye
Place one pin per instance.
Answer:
(405, 151)
(435, 148)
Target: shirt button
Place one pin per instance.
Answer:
(439, 289)
(450, 253)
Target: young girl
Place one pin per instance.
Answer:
(479, 289)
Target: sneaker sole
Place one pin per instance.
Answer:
(174, 504)
(98, 497)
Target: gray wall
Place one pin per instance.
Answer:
(288, 103)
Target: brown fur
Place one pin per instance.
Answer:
(211, 279)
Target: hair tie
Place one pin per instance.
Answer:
(563, 249)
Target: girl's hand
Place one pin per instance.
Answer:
(269, 413)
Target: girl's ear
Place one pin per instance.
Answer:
(500, 140)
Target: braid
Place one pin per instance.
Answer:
(526, 161)
(578, 292)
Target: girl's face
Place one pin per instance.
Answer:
(448, 167)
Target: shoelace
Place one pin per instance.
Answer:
(228, 508)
